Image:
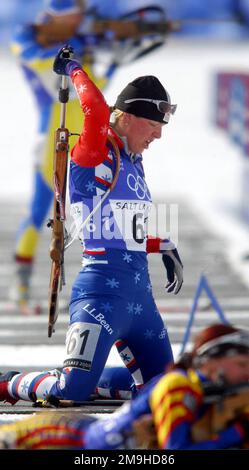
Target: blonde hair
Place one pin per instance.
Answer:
(115, 114)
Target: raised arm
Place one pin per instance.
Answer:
(90, 149)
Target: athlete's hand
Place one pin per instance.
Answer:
(244, 425)
(144, 432)
(63, 64)
(243, 421)
(173, 265)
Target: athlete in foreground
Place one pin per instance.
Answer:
(164, 413)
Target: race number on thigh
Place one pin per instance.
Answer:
(81, 342)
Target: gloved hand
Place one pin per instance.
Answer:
(243, 421)
(244, 424)
(173, 265)
(63, 64)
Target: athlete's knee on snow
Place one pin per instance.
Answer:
(84, 360)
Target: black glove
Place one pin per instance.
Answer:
(244, 424)
(63, 64)
(173, 265)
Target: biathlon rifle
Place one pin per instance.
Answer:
(57, 223)
(134, 25)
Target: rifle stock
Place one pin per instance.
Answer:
(52, 33)
(57, 278)
(225, 410)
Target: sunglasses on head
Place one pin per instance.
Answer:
(162, 106)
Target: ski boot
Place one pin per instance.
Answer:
(4, 381)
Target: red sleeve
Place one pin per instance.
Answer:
(90, 149)
(153, 244)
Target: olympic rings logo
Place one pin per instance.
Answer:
(138, 185)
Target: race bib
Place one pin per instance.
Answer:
(81, 342)
(131, 218)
